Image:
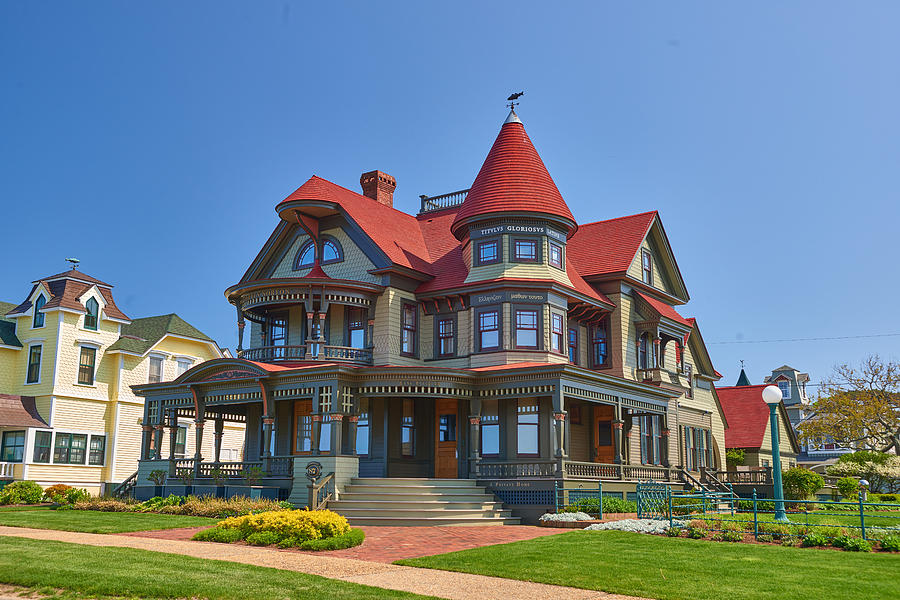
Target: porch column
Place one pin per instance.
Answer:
(157, 440)
(240, 327)
(474, 436)
(198, 456)
(173, 434)
(317, 432)
(268, 424)
(353, 421)
(146, 441)
(219, 433)
(664, 440)
(559, 420)
(337, 430)
(656, 352)
(626, 451)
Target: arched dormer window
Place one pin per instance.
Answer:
(38, 315)
(93, 309)
(331, 253)
(644, 351)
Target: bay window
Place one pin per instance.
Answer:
(13, 446)
(489, 330)
(408, 329)
(527, 428)
(557, 333)
(599, 344)
(526, 332)
(573, 345)
(446, 331)
(490, 428)
(42, 444)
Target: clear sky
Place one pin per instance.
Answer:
(152, 141)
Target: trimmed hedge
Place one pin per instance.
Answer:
(354, 537)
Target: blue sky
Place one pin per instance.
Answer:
(153, 140)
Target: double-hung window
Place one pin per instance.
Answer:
(43, 442)
(356, 328)
(408, 326)
(156, 369)
(97, 450)
(180, 441)
(573, 345)
(489, 330)
(13, 447)
(183, 365)
(557, 333)
(651, 440)
(38, 315)
(408, 428)
(599, 344)
(527, 428)
(526, 328)
(490, 428)
(647, 266)
(446, 333)
(556, 256)
(785, 387)
(34, 364)
(487, 253)
(86, 364)
(362, 428)
(70, 448)
(90, 317)
(525, 251)
(644, 351)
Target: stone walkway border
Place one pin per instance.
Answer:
(429, 582)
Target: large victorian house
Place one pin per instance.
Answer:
(491, 338)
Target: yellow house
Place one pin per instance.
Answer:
(68, 356)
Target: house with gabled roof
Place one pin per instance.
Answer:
(68, 356)
(488, 339)
(750, 427)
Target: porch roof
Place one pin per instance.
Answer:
(19, 411)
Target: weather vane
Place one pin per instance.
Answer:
(512, 100)
(742, 364)
(74, 262)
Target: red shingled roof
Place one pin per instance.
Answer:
(665, 310)
(66, 290)
(394, 231)
(746, 414)
(609, 246)
(513, 178)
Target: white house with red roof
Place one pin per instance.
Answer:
(490, 338)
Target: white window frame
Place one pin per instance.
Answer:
(96, 347)
(162, 367)
(87, 449)
(183, 360)
(786, 390)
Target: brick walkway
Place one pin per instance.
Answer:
(441, 584)
(387, 544)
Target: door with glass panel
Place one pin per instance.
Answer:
(303, 427)
(604, 450)
(445, 453)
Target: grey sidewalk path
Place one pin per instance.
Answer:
(443, 584)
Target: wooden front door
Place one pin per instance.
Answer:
(303, 427)
(604, 450)
(445, 436)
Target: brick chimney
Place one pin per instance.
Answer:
(379, 187)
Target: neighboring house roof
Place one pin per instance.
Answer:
(743, 380)
(395, 232)
(8, 328)
(141, 335)
(19, 411)
(513, 178)
(66, 290)
(609, 246)
(664, 310)
(748, 417)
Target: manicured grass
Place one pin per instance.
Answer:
(680, 569)
(91, 521)
(129, 573)
(23, 507)
(873, 519)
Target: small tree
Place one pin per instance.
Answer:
(847, 487)
(158, 477)
(881, 470)
(800, 484)
(734, 457)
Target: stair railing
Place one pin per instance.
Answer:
(321, 491)
(124, 489)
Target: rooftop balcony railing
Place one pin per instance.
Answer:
(435, 203)
(311, 351)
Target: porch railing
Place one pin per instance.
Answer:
(322, 491)
(7, 470)
(279, 467)
(590, 470)
(535, 468)
(757, 477)
(311, 351)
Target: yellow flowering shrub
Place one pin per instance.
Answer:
(297, 525)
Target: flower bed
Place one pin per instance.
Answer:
(633, 525)
(303, 529)
(195, 506)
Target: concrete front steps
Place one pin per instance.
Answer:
(418, 502)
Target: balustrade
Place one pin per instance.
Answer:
(434, 203)
(316, 351)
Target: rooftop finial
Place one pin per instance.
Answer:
(74, 262)
(742, 364)
(512, 100)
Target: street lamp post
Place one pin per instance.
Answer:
(771, 395)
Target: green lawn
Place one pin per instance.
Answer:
(91, 521)
(127, 573)
(679, 568)
(873, 519)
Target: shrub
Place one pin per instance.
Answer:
(776, 530)
(354, 537)
(732, 525)
(104, 504)
(301, 524)
(800, 530)
(697, 529)
(790, 542)
(765, 538)
(263, 538)
(832, 532)
(157, 502)
(734, 457)
(218, 534)
(618, 505)
(219, 508)
(890, 543)
(673, 532)
(158, 477)
(814, 539)
(888, 497)
(732, 536)
(59, 488)
(848, 487)
(21, 492)
(857, 545)
(70, 497)
(761, 505)
(842, 541)
(800, 483)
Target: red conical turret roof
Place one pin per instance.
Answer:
(513, 179)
